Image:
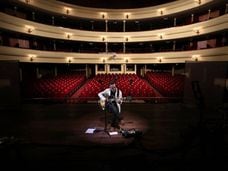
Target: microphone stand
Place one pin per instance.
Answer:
(105, 121)
(105, 125)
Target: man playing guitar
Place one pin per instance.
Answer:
(111, 100)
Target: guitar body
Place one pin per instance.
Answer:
(102, 103)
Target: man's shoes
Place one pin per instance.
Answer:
(120, 118)
(115, 125)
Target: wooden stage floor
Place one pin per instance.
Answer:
(45, 134)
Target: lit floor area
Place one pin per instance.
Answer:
(53, 135)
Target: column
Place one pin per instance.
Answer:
(209, 14)
(192, 18)
(87, 73)
(124, 47)
(174, 45)
(106, 47)
(106, 29)
(33, 16)
(54, 45)
(124, 25)
(173, 70)
(53, 20)
(175, 22)
(106, 25)
(92, 25)
(55, 71)
(124, 29)
(37, 73)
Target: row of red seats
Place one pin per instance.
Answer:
(59, 86)
(130, 85)
(166, 84)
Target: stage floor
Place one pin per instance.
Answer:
(56, 132)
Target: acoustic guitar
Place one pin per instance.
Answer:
(102, 103)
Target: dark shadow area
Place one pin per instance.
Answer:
(53, 136)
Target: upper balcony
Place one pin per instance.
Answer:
(199, 14)
(32, 28)
(116, 14)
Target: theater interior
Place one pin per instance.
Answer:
(168, 57)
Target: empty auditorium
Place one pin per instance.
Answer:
(109, 85)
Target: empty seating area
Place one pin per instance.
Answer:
(56, 87)
(166, 84)
(79, 89)
(130, 84)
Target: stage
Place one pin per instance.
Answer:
(45, 134)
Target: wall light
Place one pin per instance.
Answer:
(160, 59)
(67, 10)
(196, 30)
(103, 15)
(68, 35)
(29, 29)
(127, 15)
(31, 57)
(69, 59)
(103, 38)
(161, 36)
(161, 11)
(195, 57)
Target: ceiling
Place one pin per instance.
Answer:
(117, 4)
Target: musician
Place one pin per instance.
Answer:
(112, 98)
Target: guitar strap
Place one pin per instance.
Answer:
(117, 93)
